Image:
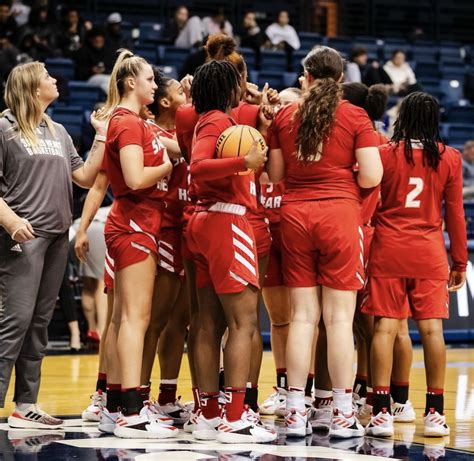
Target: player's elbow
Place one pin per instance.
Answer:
(369, 181)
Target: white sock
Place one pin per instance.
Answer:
(342, 399)
(295, 399)
(22, 406)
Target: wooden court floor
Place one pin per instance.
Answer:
(68, 380)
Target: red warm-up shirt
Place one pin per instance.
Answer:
(333, 175)
(408, 240)
(215, 179)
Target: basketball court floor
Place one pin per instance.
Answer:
(68, 380)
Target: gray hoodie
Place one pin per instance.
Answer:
(37, 184)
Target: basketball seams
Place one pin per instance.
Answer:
(219, 148)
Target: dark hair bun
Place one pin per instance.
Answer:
(219, 46)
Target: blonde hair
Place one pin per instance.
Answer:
(22, 100)
(126, 65)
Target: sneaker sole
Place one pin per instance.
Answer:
(294, 433)
(404, 419)
(127, 433)
(205, 434)
(229, 437)
(320, 426)
(269, 412)
(346, 433)
(107, 428)
(19, 423)
(379, 432)
(188, 428)
(88, 416)
(435, 433)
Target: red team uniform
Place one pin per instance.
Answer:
(219, 233)
(271, 197)
(176, 197)
(321, 222)
(409, 260)
(133, 224)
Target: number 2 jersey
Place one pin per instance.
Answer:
(408, 240)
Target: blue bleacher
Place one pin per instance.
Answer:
(273, 60)
(71, 117)
(309, 40)
(147, 51)
(456, 133)
(426, 69)
(60, 67)
(276, 79)
(151, 32)
(85, 95)
(172, 56)
(452, 90)
(249, 57)
(460, 114)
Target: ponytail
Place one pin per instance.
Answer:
(317, 114)
(317, 111)
(126, 65)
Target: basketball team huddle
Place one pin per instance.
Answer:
(225, 194)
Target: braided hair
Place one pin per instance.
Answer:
(419, 119)
(214, 86)
(318, 108)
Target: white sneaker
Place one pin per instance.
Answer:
(152, 410)
(321, 418)
(380, 425)
(273, 402)
(344, 426)
(107, 421)
(297, 424)
(244, 431)
(98, 402)
(364, 412)
(188, 426)
(403, 412)
(142, 427)
(280, 411)
(33, 418)
(176, 411)
(205, 429)
(435, 424)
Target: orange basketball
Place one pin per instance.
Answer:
(237, 140)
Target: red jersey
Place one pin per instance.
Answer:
(186, 119)
(225, 186)
(246, 114)
(271, 197)
(408, 240)
(138, 206)
(175, 188)
(333, 175)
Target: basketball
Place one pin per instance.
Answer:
(237, 140)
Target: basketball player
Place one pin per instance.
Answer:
(315, 146)
(420, 173)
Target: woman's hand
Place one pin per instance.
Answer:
(255, 158)
(456, 280)
(81, 246)
(186, 83)
(20, 230)
(99, 124)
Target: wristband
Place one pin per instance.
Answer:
(100, 138)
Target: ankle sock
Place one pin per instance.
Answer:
(167, 391)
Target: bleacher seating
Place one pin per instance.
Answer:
(71, 117)
(85, 95)
(60, 67)
(273, 60)
(460, 114)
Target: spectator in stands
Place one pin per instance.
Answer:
(283, 36)
(8, 60)
(33, 49)
(193, 60)
(42, 27)
(8, 25)
(468, 169)
(250, 34)
(72, 32)
(217, 24)
(185, 31)
(20, 12)
(359, 70)
(401, 74)
(114, 37)
(95, 60)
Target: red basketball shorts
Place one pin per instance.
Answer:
(225, 251)
(400, 298)
(169, 250)
(323, 244)
(274, 274)
(261, 233)
(109, 272)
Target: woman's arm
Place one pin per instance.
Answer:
(136, 175)
(276, 166)
(172, 147)
(19, 229)
(370, 167)
(94, 199)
